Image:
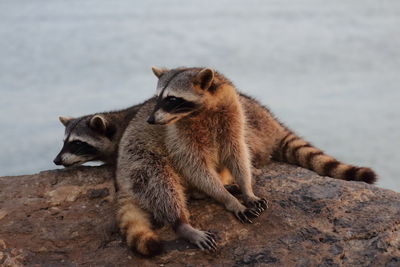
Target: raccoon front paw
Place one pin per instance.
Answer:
(258, 204)
(246, 215)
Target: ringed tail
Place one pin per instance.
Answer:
(295, 150)
(135, 224)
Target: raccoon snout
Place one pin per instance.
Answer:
(57, 160)
(151, 119)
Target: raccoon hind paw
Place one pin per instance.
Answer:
(207, 242)
(202, 239)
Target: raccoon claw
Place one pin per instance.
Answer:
(264, 203)
(253, 213)
(202, 239)
(211, 235)
(244, 216)
(259, 210)
(207, 242)
(211, 241)
(260, 204)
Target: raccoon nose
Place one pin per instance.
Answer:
(151, 119)
(57, 160)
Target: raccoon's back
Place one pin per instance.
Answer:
(140, 134)
(262, 130)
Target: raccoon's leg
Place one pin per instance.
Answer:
(172, 208)
(135, 225)
(157, 187)
(239, 165)
(198, 195)
(227, 181)
(208, 181)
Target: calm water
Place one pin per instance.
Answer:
(329, 70)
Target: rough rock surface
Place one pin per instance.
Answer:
(66, 218)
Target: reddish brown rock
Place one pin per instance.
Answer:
(66, 218)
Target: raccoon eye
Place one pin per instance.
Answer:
(172, 99)
(78, 143)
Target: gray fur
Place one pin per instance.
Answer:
(156, 162)
(106, 143)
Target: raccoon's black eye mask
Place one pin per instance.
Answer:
(81, 148)
(173, 104)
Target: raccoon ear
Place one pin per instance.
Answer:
(158, 72)
(98, 123)
(204, 78)
(65, 120)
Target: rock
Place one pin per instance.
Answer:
(66, 218)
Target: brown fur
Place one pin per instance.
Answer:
(295, 150)
(157, 162)
(150, 171)
(136, 226)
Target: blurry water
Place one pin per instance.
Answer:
(328, 69)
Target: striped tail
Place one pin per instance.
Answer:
(293, 149)
(135, 225)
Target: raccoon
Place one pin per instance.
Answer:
(96, 137)
(93, 137)
(194, 129)
(265, 136)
